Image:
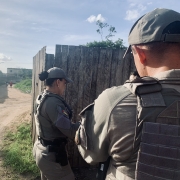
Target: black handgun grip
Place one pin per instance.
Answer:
(102, 169)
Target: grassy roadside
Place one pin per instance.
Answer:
(17, 154)
(24, 86)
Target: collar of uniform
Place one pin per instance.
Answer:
(172, 75)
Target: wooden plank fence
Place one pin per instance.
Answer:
(92, 71)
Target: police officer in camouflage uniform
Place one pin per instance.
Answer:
(53, 127)
(137, 125)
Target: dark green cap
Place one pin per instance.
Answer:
(56, 72)
(149, 28)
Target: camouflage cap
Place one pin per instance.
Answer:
(56, 72)
(150, 27)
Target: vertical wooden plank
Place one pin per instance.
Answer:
(58, 56)
(42, 67)
(104, 66)
(33, 126)
(114, 66)
(61, 57)
(38, 66)
(74, 61)
(88, 69)
(94, 84)
(119, 70)
(77, 104)
(81, 80)
(71, 95)
(64, 58)
(91, 59)
(35, 71)
(127, 67)
(49, 62)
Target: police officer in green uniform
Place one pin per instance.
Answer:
(53, 127)
(137, 125)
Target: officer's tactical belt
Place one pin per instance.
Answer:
(159, 155)
(55, 142)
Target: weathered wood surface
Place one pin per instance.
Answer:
(49, 61)
(92, 71)
(37, 85)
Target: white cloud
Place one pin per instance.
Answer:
(93, 18)
(3, 57)
(134, 11)
(149, 3)
(132, 14)
(141, 7)
(100, 18)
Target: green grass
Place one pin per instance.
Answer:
(24, 86)
(17, 151)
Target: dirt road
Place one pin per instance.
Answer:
(14, 109)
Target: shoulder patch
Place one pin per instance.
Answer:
(62, 111)
(65, 113)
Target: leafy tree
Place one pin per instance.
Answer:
(108, 42)
(25, 73)
(102, 25)
(111, 31)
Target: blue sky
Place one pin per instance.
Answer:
(27, 26)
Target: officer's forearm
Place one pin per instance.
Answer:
(71, 131)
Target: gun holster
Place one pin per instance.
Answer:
(60, 153)
(102, 169)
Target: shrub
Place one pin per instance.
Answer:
(24, 86)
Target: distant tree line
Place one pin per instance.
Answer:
(26, 73)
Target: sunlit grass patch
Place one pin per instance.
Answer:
(17, 151)
(24, 86)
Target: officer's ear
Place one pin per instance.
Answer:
(58, 82)
(140, 53)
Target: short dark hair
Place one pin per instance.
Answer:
(49, 82)
(161, 47)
